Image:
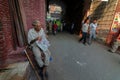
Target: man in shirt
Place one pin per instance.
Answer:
(84, 31)
(92, 31)
(37, 39)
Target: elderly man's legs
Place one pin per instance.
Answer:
(42, 63)
(47, 57)
(37, 54)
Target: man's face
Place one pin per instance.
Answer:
(94, 21)
(87, 21)
(38, 26)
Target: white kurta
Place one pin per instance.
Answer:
(43, 44)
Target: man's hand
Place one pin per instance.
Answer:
(39, 38)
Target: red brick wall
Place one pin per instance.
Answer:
(30, 10)
(5, 31)
(34, 9)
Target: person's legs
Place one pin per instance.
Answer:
(46, 63)
(37, 55)
(44, 73)
(55, 31)
(82, 37)
(38, 58)
(90, 37)
(61, 28)
(85, 36)
(94, 35)
(41, 73)
(47, 57)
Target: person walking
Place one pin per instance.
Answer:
(84, 31)
(55, 27)
(92, 31)
(72, 28)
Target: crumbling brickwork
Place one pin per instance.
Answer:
(104, 12)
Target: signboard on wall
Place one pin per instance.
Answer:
(116, 23)
(114, 28)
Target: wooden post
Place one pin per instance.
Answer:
(32, 65)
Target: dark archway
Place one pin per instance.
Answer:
(74, 12)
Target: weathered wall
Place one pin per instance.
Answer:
(104, 12)
(5, 32)
(115, 24)
(34, 9)
(30, 10)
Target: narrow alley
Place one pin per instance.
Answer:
(24, 25)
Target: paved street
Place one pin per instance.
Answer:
(75, 61)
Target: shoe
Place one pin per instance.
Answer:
(85, 44)
(111, 51)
